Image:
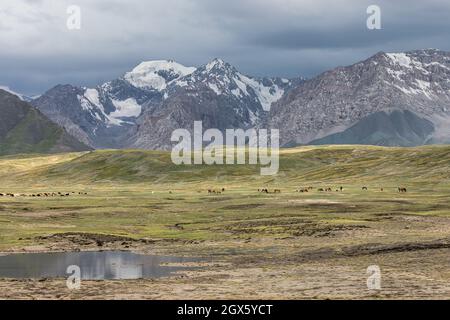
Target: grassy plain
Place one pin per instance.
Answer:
(289, 245)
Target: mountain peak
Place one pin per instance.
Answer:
(156, 74)
(416, 81)
(407, 58)
(218, 64)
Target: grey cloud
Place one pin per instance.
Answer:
(261, 37)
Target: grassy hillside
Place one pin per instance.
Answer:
(23, 129)
(304, 165)
(141, 194)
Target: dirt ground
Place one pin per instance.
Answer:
(410, 270)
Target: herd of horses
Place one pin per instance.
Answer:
(303, 190)
(266, 190)
(214, 191)
(340, 189)
(43, 194)
(210, 191)
(327, 189)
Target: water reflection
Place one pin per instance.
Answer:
(106, 265)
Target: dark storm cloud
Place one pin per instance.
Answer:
(260, 37)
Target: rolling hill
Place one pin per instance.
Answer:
(23, 129)
(298, 166)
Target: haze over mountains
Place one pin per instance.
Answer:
(390, 99)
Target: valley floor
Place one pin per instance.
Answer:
(314, 245)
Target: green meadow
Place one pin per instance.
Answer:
(141, 194)
(140, 201)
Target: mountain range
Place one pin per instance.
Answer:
(400, 99)
(143, 107)
(390, 99)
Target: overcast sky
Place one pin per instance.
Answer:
(260, 37)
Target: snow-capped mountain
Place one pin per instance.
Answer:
(101, 117)
(144, 106)
(224, 79)
(215, 93)
(388, 99)
(338, 106)
(157, 75)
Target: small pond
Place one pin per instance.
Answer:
(99, 265)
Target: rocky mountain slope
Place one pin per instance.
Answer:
(23, 129)
(216, 94)
(396, 128)
(389, 99)
(144, 106)
(331, 103)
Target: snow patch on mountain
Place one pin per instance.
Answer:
(85, 103)
(90, 101)
(406, 61)
(401, 59)
(266, 94)
(157, 74)
(216, 63)
(126, 109)
(214, 88)
(93, 96)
